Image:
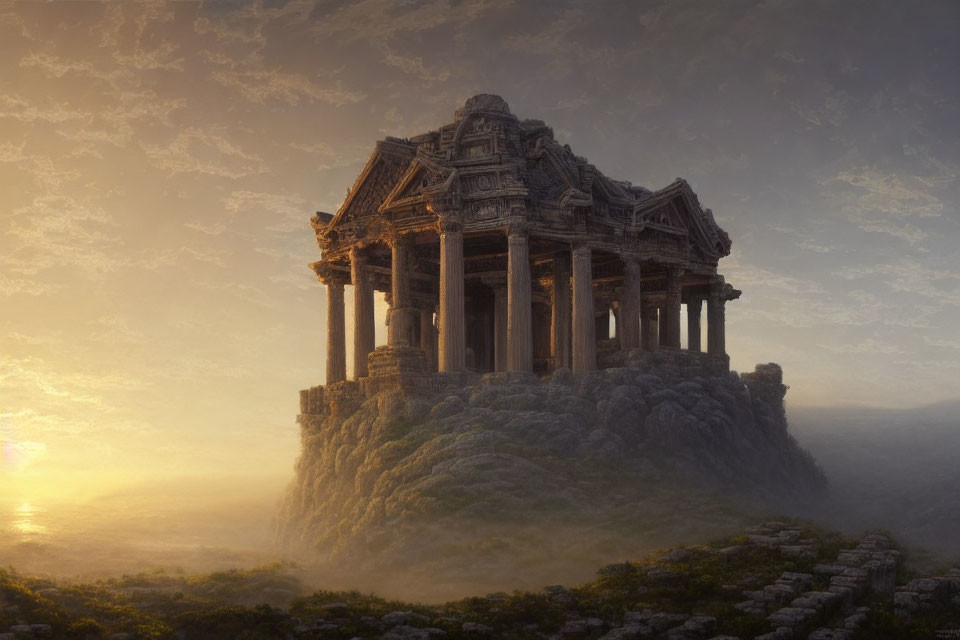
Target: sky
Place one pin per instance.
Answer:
(159, 163)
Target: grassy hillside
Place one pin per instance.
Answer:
(684, 592)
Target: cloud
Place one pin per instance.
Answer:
(214, 229)
(413, 65)
(57, 230)
(897, 196)
(290, 212)
(159, 59)
(58, 67)
(907, 275)
(554, 37)
(869, 346)
(195, 151)
(881, 202)
(20, 109)
(262, 85)
(942, 344)
(40, 168)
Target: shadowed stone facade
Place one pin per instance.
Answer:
(500, 250)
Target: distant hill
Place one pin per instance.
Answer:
(897, 469)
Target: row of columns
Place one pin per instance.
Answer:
(573, 327)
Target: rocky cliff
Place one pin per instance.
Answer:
(511, 470)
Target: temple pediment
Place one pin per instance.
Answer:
(385, 166)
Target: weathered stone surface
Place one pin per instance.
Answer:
(791, 617)
(518, 447)
(404, 618)
(782, 633)
(826, 633)
(476, 628)
(817, 600)
(629, 632)
(404, 632)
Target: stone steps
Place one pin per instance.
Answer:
(870, 567)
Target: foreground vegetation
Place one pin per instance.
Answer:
(270, 602)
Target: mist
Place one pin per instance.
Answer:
(888, 469)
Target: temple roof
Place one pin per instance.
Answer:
(496, 166)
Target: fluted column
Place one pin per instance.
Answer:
(716, 322)
(519, 303)
(628, 322)
(584, 323)
(336, 331)
(694, 306)
(364, 328)
(560, 325)
(649, 326)
(401, 328)
(500, 314)
(452, 339)
(671, 332)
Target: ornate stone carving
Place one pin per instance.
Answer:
(491, 197)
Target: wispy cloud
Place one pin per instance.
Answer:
(200, 152)
(888, 203)
(265, 85)
(907, 275)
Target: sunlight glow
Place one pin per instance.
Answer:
(24, 520)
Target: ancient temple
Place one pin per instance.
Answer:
(498, 249)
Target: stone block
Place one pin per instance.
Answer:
(791, 617)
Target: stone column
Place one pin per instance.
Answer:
(693, 324)
(401, 328)
(519, 320)
(671, 333)
(628, 322)
(649, 326)
(560, 325)
(716, 321)
(584, 323)
(500, 314)
(452, 356)
(364, 328)
(336, 331)
(428, 338)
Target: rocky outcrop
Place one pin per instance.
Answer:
(412, 472)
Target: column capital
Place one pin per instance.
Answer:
(449, 223)
(581, 249)
(401, 240)
(329, 275)
(517, 227)
(358, 255)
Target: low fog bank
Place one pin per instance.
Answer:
(887, 469)
(893, 469)
(183, 524)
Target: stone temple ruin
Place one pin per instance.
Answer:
(498, 249)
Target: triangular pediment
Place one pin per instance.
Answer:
(421, 176)
(677, 209)
(376, 181)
